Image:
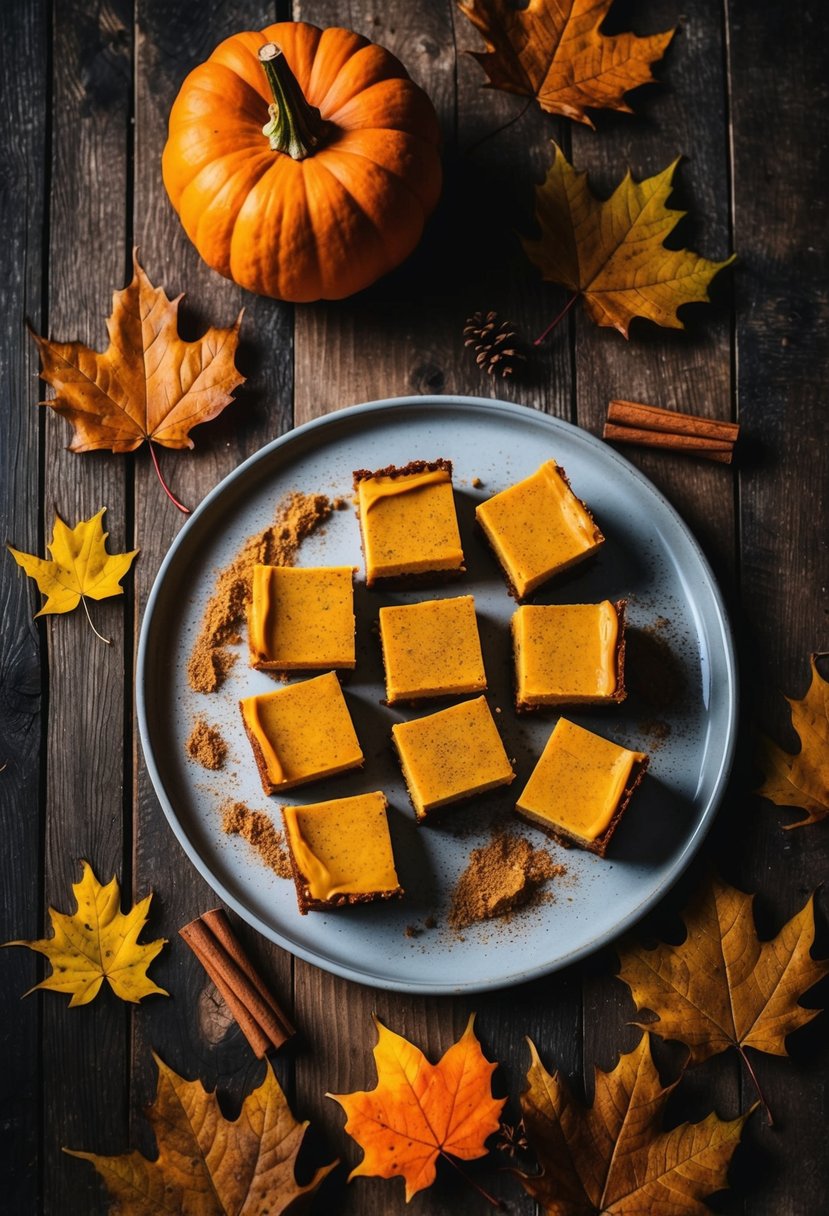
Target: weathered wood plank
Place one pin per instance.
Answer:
(782, 354)
(403, 336)
(171, 40)
(688, 370)
(24, 32)
(84, 1051)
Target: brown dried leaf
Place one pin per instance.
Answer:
(149, 384)
(801, 779)
(207, 1164)
(613, 1156)
(552, 50)
(611, 251)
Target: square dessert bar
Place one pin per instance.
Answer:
(431, 649)
(341, 852)
(408, 523)
(451, 755)
(300, 733)
(568, 654)
(581, 787)
(538, 528)
(301, 618)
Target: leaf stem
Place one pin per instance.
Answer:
(497, 131)
(92, 627)
(756, 1083)
(556, 319)
(164, 486)
(496, 1203)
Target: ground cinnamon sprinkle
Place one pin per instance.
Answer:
(206, 745)
(504, 874)
(297, 515)
(257, 829)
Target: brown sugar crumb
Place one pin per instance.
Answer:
(476, 482)
(503, 875)
(297, 515)
(257, 829)
(206, 745)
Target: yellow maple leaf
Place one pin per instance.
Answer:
(80, 566)
(552, 50)
(611, 252)
(420, 1111)
(149, 385)
(801, 779)
(207, 1164)
(723, 987)
(98, 942)
(613, 1156)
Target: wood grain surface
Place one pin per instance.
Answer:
(88, 87)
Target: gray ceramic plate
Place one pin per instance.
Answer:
(681, 646)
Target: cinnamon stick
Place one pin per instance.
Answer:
(690, 445)
(220, 952)
(655, 418)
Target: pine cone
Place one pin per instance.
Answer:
(497, 348)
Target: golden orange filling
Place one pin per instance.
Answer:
(578, 782)
(538, 528)
(565, 653)
(302, 618)
(301, 732)
(409, 524)
(451, 755)
(431, 649)
(342, 847)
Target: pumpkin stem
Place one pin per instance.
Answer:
(296, 126)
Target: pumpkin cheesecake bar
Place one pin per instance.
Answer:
(301, 733)
(452, 754)
(408, 523)
(301, 618)
(568, 654)
(581, 787)
(341, 852)
(431, 649)
(538, 528)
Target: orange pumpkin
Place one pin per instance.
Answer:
(330, 194)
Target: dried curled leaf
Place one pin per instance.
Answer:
(98, 942)
(802, 779)
(420, 1111)
(723, 987)
(613, 1156)
(207, 1164)
(79, 566)
(552, 50)
(611, 252)
(149, 384)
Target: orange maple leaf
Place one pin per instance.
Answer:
(149, 384)
(420, 1111)
(552, 50)
(801, 779)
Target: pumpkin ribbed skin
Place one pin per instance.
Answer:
(319, 228)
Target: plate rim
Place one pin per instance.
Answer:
(434, 402)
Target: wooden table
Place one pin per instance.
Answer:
(88, 88)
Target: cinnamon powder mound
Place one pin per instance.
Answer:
(297, 515)
(206, 745)
(257, 829)
(503, 875)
